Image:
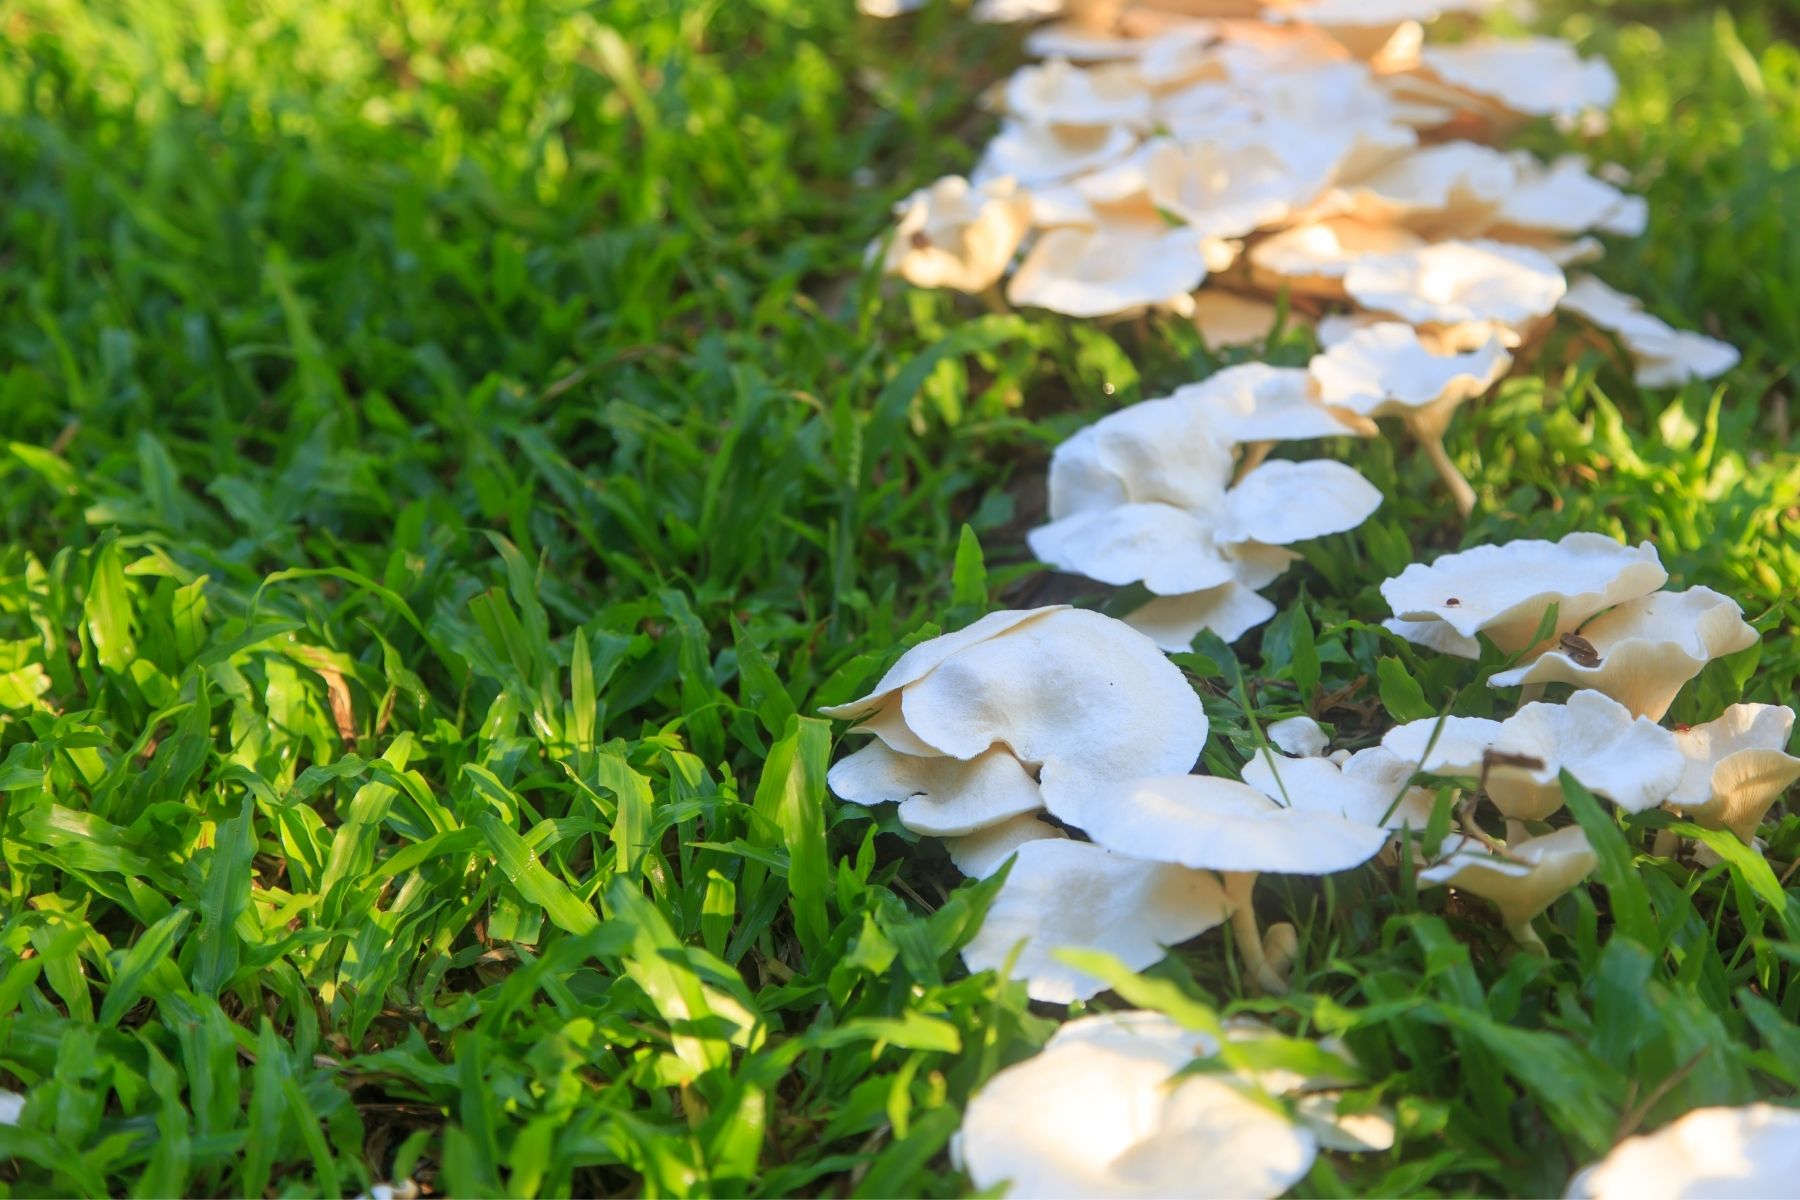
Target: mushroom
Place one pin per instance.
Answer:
(1736, 767)
(1747, 1153)
(1565, 198)
(1035, 155)
(1300, 736)
(1254, 403)
(1662, 355)
(12, 1107)
(1532, 77)
(1505, 590)
(1173, 622)
(1058, 93)
(1227, 320)
(980, 854)
(953, 235)
(1240, 179)
(1221, 825)
(1105, 1110)
(1457, 282)
(1371, 786)
(1450, 186)
(1312, 259)
(1528, 879)
(1385, 370)
(1643, 651)
(1113, 268)
(938, 796)
(1064, 894)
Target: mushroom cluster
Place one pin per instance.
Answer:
(1108, 1108)
(1233, 160)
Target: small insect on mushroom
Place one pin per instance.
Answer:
(1499, 758)
(1453, 602)
(920, 239)
(1580, 651)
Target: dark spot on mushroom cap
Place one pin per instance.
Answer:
(1453, 602)
(919, 239)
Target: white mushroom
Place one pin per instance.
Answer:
(1221, 825)
(1312, 259)
(1039, 154)
(1450, 187)
(938, 796)
(1748, 1153)
(1076, 895)
(1103, 1111)
(1370, 786)
(1632, 761)
(1456, 282)
(1443, 745)
(1531, 876)
(1504, 590)
(1565, 198)
(1642, 652)
(1255, 402)
(1227, 319)
(12, 1107)
(1300, 736)
(980, 854)
(1057, 93)
(1173, 622)
(1236, 182)
(1736, 767)
(1662, 355)
(1385, 370)
(952, 235)
(1114, 268)
(1533, 77)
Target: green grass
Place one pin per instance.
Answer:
(446, 451)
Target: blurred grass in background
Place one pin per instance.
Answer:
(448, 449)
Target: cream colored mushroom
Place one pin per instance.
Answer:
(1234, 183)
(1386, 370)
(1532, 875)
(1662, 355)
(980, 854)
(1035, 155)
(1736, 767)
(1059, 93)
(952, 235)
(1456, 282)
(1227, 320)
(1116, 268)
(1642, 652)
(1631, 761)
(1533, 77)
(1748, 1153)
(938, 796)
(1312, 259)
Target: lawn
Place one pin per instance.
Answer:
(449, 453)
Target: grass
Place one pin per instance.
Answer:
(449, 450)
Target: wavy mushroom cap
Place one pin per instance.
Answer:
(1059, 93)
(1255, 402)
(1226, 320)
(1452, 283)
(1235, 183)
(1662, 356)
(1748, 1153)
(1736, 767)
(1504, 590)
(1035, 155)
(1166, 451)
(1443, 745)
(1312, 259)
(939, 797)
(1113, 268)
(1301, 737)
(953, 235)
(1368, 787)
(1065, 894)
(1566, 198)
(1532, 876)
(1643, 652)
(1173, 622)
(1386, 370)
(1532, 77)
(1221, 825)
(1282, 502)
(1454, 185)
(1102, 1112)
(1630, 760)
(985, 851)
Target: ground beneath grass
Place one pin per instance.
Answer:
(446, 451)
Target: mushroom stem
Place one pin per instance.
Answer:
(1238, 888)
(1254, 454)
(1460, 491)
(1526, 936)
(994, 301)
(1666, 844)
(1531, 693)
(1516, 831)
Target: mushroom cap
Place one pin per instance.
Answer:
(1632, 761)
(1066, 894)
(1283, 502)
(1369, 788)
(1662, 355)
(1112, 269)
(1312, 259)
(983, 852)
(1534, 77)
(1300, 736)
(924, 658)
(1241, 179)
(1647, 649)
(12, 1107)
(1736, 767)
(1545, 868)
(1453, 185)
(942, 797)
(1565, 198)
(1228, 319)
(1450, 283)
(1168, 451)
(1173, 622)
(1385, 370)
(1059, 93)
(1504, 590)
(1040, 154)
(1434, 635)
(1443, 745)
(1255, 402)
(1086, 696)
(955, 235)
(1748, 1153)
(1171, 551)
(1101, 1113)
(1221, 825)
